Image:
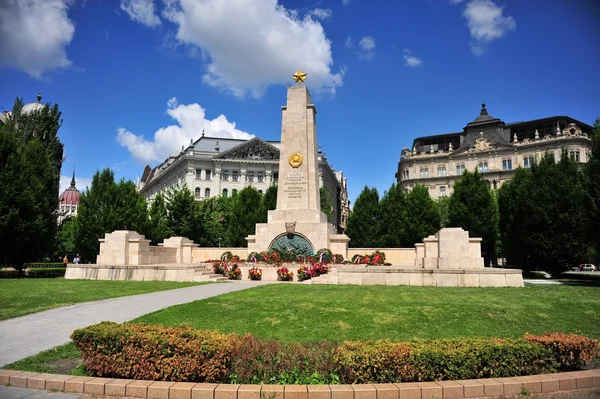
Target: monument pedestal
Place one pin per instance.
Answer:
(298, 222)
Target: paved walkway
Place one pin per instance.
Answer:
(27, 335)
(22, 393)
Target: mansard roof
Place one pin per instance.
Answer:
(254, 148)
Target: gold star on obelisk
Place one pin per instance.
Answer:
(299, 77)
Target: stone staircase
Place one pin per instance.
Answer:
(329, 278)
(206, 274)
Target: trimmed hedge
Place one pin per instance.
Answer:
(41, 265)
(46, 272)
(9, 273)
(153, 352)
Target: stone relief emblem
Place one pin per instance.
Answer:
(290, 227)
(295, 160)
(252, 149)
(481, 144)
(572, 129)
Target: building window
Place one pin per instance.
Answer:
(483, 167)
(208, 174)
(198, 174)
(406, 174)
(207, 192)
(225, 175)
(225, 192)
(275, 177)
(260, 177)
(250, 176)
(442, 191)
(197, 191)
(460, 169)
(260, 192)
(574, 155)
(424, 172)
(495, 184)
(235, 175)
(506, 164)
(442, 171)
(528, 162)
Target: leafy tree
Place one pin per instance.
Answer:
(268, 202)
(442, 204)
(326, 203)
(246, 212)
(30, 163)
(105, 207)
(363, 222)
(158, 224)
(392, 205)
(421, 217)
(593, 185)
(544, 214)
(473, 208)
(183, 214)
(66, 243)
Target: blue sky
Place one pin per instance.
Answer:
(136, 79)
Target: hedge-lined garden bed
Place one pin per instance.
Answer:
(142, 351)
(44, 272)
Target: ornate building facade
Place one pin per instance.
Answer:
(492, 147)
(213, 166)
(68, 202)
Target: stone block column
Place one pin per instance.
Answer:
(184, 248)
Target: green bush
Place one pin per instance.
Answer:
(46, 272)
(40, 265)
(141, 351)
(8, 273)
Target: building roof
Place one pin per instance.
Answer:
(71, 195)
(32, 107)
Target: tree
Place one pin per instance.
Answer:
(363, 222)
(30, 163)
(421, 217)
(246, 212)
(543, 216)
(158, 224)
(392, 205)
(66, 243)
(268, 202)
(442, 204)
(593, 185)
(472, 207)
(326, 203)
(105, 207)
(183, 214)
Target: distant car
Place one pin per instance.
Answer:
(587, 267)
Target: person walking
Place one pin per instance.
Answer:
(66, 260)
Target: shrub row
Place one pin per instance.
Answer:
(40, 265)
(46, 272)
(183, 354)
(9, 273)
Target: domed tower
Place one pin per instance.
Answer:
(68, 202)
(32, 107)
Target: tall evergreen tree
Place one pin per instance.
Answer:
(184, 218)
(66, 243)
(392, 205)
(105, 207)
(30, 163)
(545, 209)
(421, 217)
(473, 208)
(158, 223)
(363, 222)
(268, 202)
(593, 184)
(246, 213)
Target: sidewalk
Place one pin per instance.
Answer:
(28, 335)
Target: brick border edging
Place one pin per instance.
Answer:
(489, 387)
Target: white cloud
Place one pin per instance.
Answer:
(456, 1)
(320, 13)
(345, 2)
(191, 121)
(141, 11)
(486, 22)
(410, 60)
(367, 47)
(249, 45)
(34, 35)
(349, 42)
(80, 182)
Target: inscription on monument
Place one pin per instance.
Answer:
(295, 186)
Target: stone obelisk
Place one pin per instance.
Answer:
(298, 211)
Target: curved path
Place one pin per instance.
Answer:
(27, 335)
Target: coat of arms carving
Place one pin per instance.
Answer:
(290, 227)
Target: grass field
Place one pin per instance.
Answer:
(337, 313)
(19, 297)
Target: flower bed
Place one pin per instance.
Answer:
(285, 274)
(183, 354)
(255, 273)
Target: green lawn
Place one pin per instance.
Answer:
(319, 312)
(19, 297)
